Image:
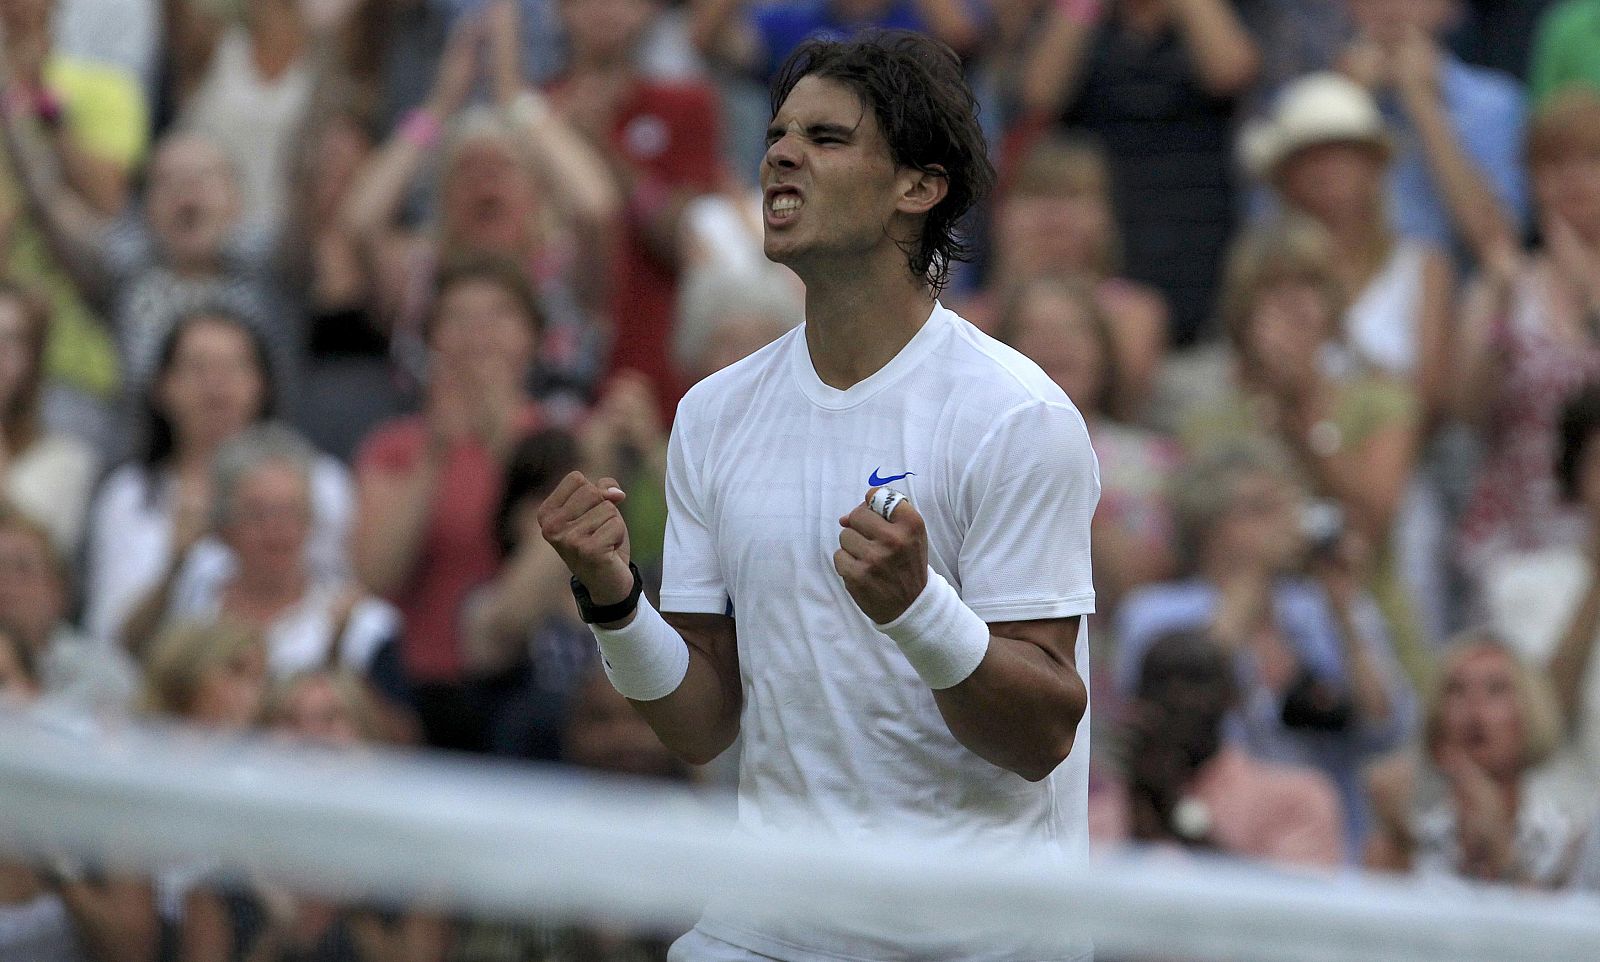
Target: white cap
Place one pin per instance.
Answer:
(1320, 108)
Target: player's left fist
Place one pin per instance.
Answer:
(883, 562)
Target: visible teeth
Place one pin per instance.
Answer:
(785, 202)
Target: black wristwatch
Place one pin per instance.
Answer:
(593, 614)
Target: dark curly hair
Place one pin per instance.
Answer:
(913, 85)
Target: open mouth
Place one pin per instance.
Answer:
(783, 204)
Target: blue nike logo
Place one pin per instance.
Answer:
(878, 482)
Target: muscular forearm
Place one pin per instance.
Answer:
(1020, 709)
(1574, 655)
(700, 719)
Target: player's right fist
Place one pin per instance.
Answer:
(581, 521)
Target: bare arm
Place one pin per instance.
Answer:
(1054, 66)
(393, 511)
(1435, 370)
(699, 720)
(1573, 659)
(1369, 478)
(1224, 56)
(1478, 214)
(71, 227)
(1390, 784)
(115, 919)
(1479, 361)
(1020, 710)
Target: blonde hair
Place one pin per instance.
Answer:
(1293, 250)
(352, 690)
(1541, 721)
(1566, 124)
(1064, 166)
(184, 653)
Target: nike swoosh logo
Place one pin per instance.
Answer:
(878, 482)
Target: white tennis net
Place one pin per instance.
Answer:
(512, 842)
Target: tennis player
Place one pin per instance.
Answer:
(905, 662)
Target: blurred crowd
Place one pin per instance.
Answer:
(305, 305)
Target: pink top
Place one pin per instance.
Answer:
(1259, 810)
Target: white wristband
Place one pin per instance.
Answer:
(645, 659)
(944, 640)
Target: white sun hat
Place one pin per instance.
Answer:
(1319, 108)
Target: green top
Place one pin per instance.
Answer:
(1566, 48)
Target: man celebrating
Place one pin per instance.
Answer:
(914, 666)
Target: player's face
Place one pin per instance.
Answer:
(829, 184)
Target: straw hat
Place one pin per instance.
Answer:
(1320, 108)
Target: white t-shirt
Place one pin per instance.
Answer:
(838, 731)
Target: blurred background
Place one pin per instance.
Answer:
(306, 304)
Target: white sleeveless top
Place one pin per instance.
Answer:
(1381, 322)
(253, 118)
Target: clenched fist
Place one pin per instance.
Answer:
(884, 564)
(581, 521)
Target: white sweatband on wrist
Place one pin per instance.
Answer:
(646, 659)
(944, 640)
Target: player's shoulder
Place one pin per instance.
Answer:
(739, 380)
(994, 375)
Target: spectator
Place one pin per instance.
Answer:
(209, 674)
(1546, 605)
(516, 182)
(1060, 326)
(251, 918)
(1055, 220)
(151, 516)
(1566, 49)
(187, 249)
(1529, 340)
(1456, 182)
(261, 510)
(61, 910)
(89, 123)
(522, 633)
(1157, 82)
(659, 141)
(1352, 433)
(1319, 685)
(47, 474)
(1325, 152)
(429, 484)
(1185, 785)
(1467, 806)
(79, 675)
(247, 85)
(724, 317)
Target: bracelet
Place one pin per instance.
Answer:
(593, 614)
(421, 128)
(944, 640)
(646, 659)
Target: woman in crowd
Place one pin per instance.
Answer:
(151, 516)
(211, 674)
(261, 511)
(1054, 221)
(515, 183)
(1060, 325)
(1530, 339)
(47, 475)
(1468, 804)
(1325, 153)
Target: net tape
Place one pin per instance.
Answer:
(516, 841)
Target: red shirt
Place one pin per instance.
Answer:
(458, 551)
(669, 134)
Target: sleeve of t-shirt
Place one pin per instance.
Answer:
(105, 111)
(1031, 491)
(691, 579)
